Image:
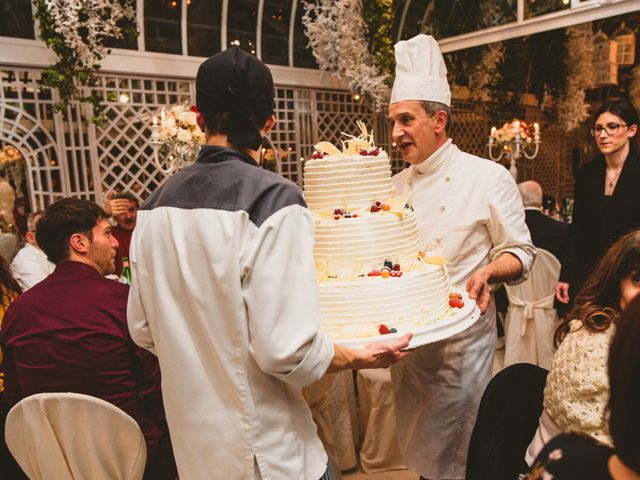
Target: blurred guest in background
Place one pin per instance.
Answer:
(9, 290)
(577, 389)
(123, 208)
(607, 197)
(30, 265)
(570, 456)
(545, 232)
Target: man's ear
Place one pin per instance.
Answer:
(268, 125)
(201, 123)
(441, 121)
(79, 243)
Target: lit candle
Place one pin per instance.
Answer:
(536, 128)
(493, 131)
(516, 124)
(162, 115)
(155, 130)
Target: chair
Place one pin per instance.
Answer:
(70, 436)
(531, 317)
(380, 450)
(507, 421)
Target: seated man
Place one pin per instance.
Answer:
(546, 232)
(69, 332)
(123, 208)
(30, 265)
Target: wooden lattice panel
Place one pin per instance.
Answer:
(124, 155)
(28, 123)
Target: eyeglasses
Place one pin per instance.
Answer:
(610, 129)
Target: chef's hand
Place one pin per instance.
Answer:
(562, 292)
(374, 355)
(478, 288)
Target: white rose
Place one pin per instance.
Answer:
(188, 117)
(184, 135)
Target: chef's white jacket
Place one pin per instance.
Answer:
(224, 292)
(470, 209)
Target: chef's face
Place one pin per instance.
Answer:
(416, 133)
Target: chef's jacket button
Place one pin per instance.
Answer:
(448, 179)
(442, 207)
(438, 238)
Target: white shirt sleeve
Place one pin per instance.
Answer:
(280, 294)
(507, 226)
(136, 314)
(31, 266)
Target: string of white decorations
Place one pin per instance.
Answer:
(336, 32)
(85, 24)
(572, 107)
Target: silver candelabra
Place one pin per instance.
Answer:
(515, 148)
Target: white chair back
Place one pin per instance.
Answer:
(531, 318)
(70, 436)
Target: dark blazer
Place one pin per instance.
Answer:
(546, 232)
(598, 221)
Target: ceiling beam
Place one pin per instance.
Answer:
(552, 21)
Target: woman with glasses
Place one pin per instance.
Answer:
(607, 195)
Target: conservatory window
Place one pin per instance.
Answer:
(162, 32)
(203, 28)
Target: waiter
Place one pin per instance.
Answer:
(469, 209)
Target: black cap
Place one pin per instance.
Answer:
(239, 84)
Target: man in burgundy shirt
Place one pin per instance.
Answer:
(123, 208)
(69, 332)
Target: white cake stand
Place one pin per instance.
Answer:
(452, 324)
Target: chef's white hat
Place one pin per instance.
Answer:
(420, 71)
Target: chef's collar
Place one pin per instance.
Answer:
(436, 159)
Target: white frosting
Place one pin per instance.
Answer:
(353, 304)
(367, 240)
(357, 308)
(353, 181)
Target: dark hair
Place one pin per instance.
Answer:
(624, 385)
(216, 122)
(434, 107)
(126, 196)
(597, 305)
(623, 109)
(61, 220)
(10, 284)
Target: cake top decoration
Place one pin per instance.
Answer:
(362, 144)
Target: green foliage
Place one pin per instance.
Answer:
(378, 16)
(69, 75)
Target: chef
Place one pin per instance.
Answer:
(469, 209)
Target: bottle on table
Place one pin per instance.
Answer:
(125, 276)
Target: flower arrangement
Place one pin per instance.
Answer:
(76, 31)
(179, 131)
(510, 132)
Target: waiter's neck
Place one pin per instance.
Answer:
(615, 160)
(221, 140)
